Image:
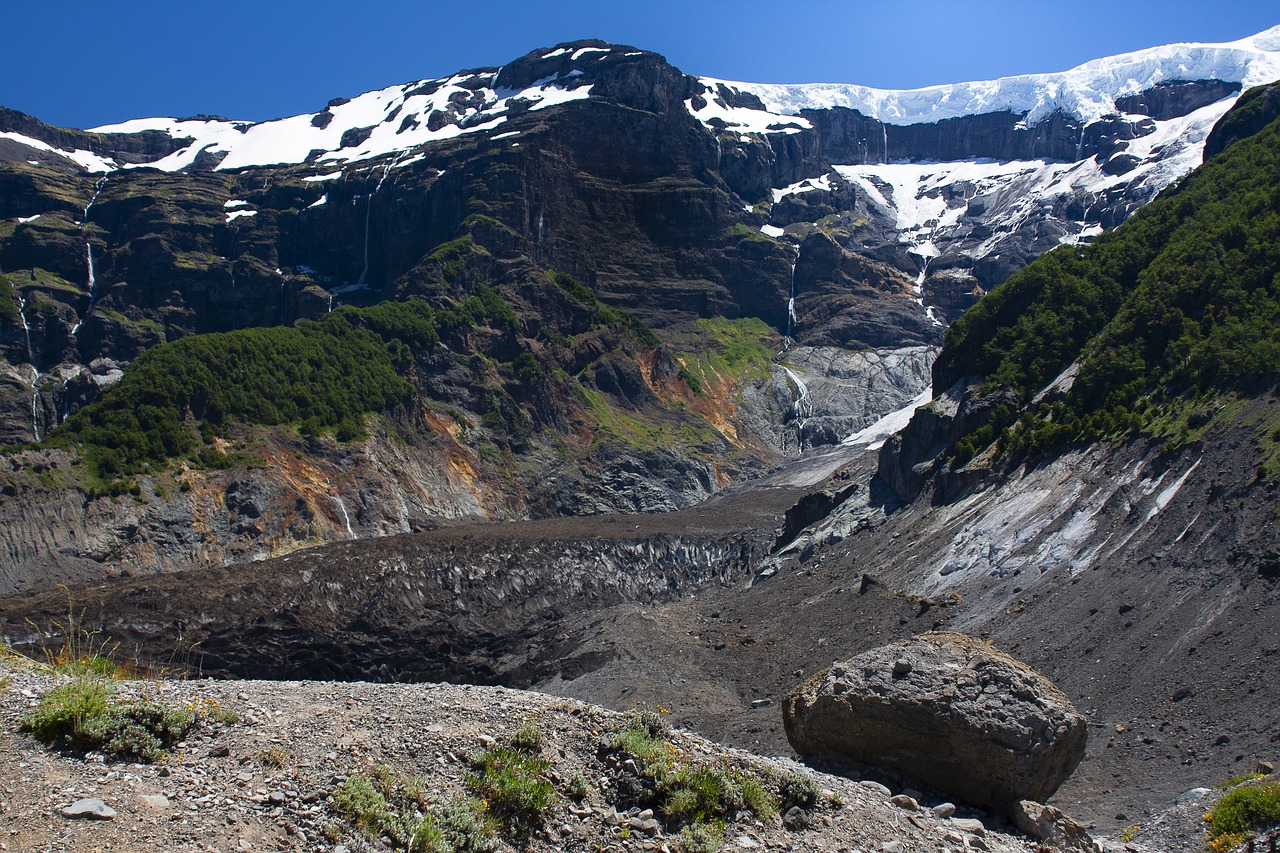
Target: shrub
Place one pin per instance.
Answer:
(757, 798)
(1249, 808)
(528, 737)
(363, 805)
(702, 837)
(140, 730)
(81, 715)
(799, 789)
(509, 781)
(578, 787)
(461, 825)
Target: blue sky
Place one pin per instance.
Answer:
(81, 63)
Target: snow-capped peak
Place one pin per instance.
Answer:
(1086, 92)
(386, 121)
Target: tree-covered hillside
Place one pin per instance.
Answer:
(1181, 301)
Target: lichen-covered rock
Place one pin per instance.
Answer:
(945, 709)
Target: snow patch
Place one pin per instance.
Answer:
(86, 160)
(26, 219)
(292, 140)
(743, 119)
(807, 185)
(771, 230)
(236, 214)
(874, 436)
(1087, 92)
(332, 176)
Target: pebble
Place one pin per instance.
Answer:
(90, 808)
(970, 825)
(944, 810)
(153, 801)
(902, 801)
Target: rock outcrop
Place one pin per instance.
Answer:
(947, 710)
(1051, 826)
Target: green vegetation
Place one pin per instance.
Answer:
(460, 825)
(8, 301)
(453, 256)
(83, 715)
(1248, 809)
(699, 797)
(1180, 302)
(613, 318)
(366, 807)
(510, 782)
(528, 737)
(323, 374)
(736, 349)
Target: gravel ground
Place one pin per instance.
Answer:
(264, 782)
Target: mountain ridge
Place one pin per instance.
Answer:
(692, 298)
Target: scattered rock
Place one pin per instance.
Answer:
(90, 808)
(902, 801)
(1051, 825)
(973, 826)
(969, 720)
(796, 819)
(153, 801)
(944, 810)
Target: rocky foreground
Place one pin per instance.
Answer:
(268, 776)
(266, 780)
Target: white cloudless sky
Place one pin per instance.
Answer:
(81, 63)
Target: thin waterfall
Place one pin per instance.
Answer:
(35, 371)
(368, 211)
(801, 407)
(791, 304)
(91, 273)
(92, 285)
(345, 517)
(26, 329)
(97, 190)
(1080, 145)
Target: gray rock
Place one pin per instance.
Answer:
(1051, 825)
(944, 810)
(973, 826)
(795, 819)
(902, 801)
(967, 719)
(89, 808)
(153, 801)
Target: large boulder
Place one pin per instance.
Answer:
(946, 710)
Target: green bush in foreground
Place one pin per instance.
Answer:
(509, 781)
(1245, 810)
(461, 825)
(82, 715)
